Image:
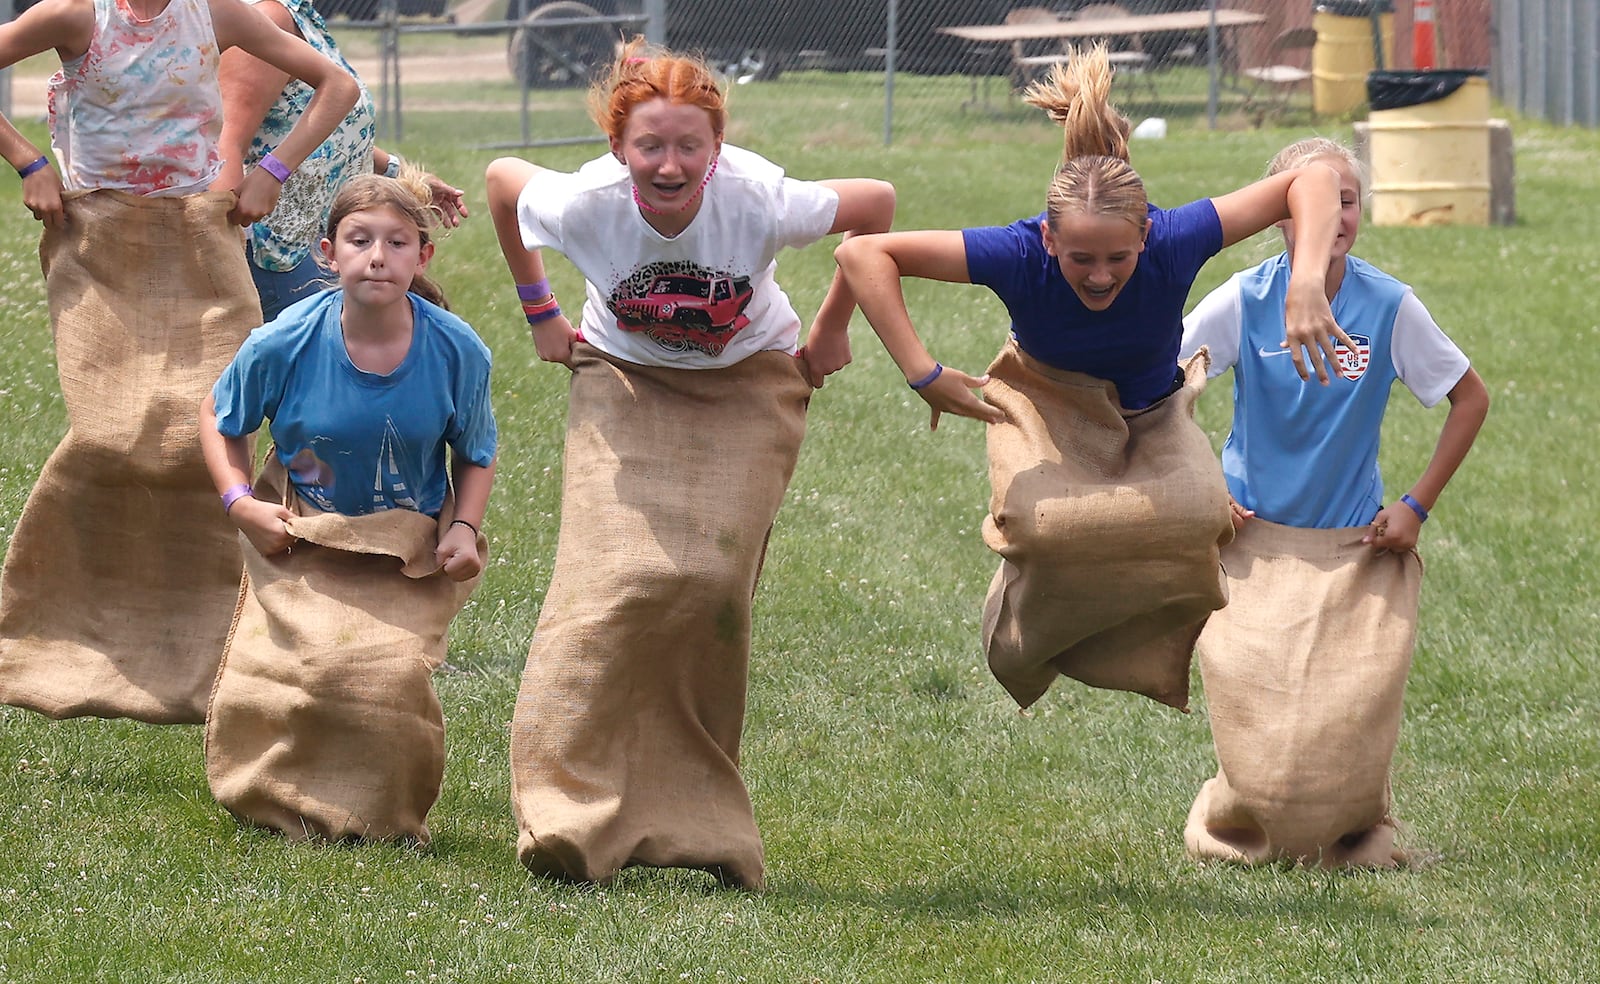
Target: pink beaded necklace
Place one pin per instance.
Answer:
(646, 206)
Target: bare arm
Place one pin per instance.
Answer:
(865, 206)
(505, 179)
(228, 461)
(1469, 406)
(250, 87)
(1310, 196)
(67, 26)
(238, 25)
(458, 546)
(872, 267)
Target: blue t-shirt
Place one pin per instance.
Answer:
(1134, 342)
(357, 442)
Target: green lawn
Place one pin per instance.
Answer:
(918, 828)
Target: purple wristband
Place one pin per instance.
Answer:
(276, 168)
(553, 311)
(1416, 507)
(236, 493)
(38, 165)
(938, 370)
(536, 291)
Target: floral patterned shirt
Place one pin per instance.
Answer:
(285, 237)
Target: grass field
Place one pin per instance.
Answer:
(918, 828)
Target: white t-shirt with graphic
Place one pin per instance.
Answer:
(698, 300)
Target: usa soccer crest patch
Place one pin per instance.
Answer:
(1353, 362)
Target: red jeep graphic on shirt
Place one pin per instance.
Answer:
(687, 311)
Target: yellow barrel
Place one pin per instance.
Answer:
(1430, 162)
(1341, 58)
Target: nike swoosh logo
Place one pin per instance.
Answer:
(1267, 355)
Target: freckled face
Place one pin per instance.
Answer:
(1097, 254)
(668, 148)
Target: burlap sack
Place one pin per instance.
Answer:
(122, 575)
(324, 720)
(1108, 522)
(1304, 673)
(625, 740)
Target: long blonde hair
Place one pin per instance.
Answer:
(407, 194)
(1094, 177)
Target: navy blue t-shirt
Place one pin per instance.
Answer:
(1134, 342)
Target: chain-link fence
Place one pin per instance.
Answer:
(902, 67)
(897, 69)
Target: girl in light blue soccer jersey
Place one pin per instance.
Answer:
(1323, 577)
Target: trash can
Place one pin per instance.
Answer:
(1345, 51)
(1429, 134)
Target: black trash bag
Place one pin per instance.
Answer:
(1397, 90)
(1353, 8)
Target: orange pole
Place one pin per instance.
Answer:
(1424, 46)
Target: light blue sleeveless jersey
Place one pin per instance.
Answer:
(1300, 453)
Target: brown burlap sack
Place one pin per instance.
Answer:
(122, 575)
(625, 741)
(1304, 673)
(1108, 522)
(324, 720)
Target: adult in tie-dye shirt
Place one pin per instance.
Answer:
(261, 105)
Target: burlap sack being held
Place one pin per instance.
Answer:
(324, 720)
(1304, 673)
(122, 575)
(625, 741)
(1108, 522)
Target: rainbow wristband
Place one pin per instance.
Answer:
(236, 493)
(1416, 507)
(926, 381)
(536, 291)
(275, 167)
(38, 165)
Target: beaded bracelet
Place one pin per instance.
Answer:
(462, 522)
(1416, 507)
(925, 381)
(38, 165)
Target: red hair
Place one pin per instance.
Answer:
(642, 73)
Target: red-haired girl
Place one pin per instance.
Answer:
(687, 409)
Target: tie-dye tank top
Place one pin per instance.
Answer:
(141, 111)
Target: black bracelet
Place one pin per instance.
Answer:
(468, 525)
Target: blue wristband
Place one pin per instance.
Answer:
(553, 311)
(38, 165)
(1416, 507)
(925, 381)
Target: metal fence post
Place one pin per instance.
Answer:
(891, 44)
(655, 24)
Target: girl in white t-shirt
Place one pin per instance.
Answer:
(1305, 668)
(688, 403)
